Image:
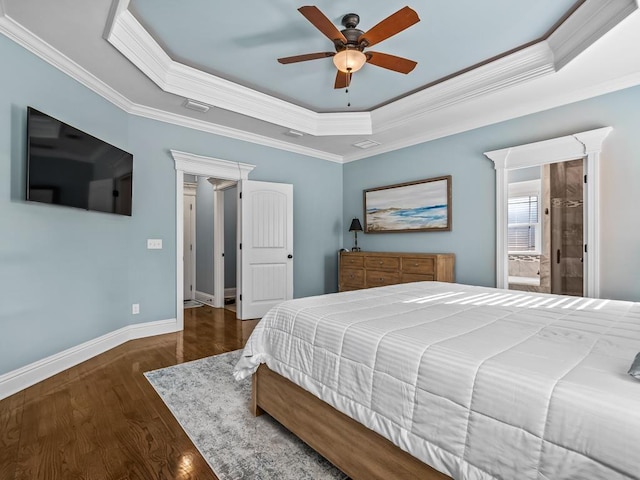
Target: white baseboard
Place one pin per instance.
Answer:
(230, 292)
(16, 380)
(206, 298)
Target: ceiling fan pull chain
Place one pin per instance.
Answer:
(347, 89)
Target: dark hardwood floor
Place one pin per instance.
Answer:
(103, 420)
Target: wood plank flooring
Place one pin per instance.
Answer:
(103, 420)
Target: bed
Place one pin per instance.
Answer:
(459, 381)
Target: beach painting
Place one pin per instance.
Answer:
(423, 205)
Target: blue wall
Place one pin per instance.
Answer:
(68, 276)
(473, 236)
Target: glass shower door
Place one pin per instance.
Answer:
(566, 185)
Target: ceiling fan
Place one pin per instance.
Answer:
(351, 42)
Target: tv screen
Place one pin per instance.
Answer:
(66, 166)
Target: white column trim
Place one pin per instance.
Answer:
(180, 249)
(586, 145)
(208, 167)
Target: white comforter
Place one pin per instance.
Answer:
(477, 382)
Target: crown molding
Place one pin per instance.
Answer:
(129, 37)
(587, 24)
(209, 127)
(480, 117)
(404, 112)
(34, 44)
(521, 66)
(25, 38)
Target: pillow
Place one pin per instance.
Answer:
(634, 371)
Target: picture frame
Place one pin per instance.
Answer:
(418, 206)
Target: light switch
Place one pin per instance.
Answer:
(154, 243)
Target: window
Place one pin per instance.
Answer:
(523, 221)
(523, 227)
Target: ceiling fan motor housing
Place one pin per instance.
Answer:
(351, 33)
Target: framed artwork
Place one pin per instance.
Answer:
(420, 206)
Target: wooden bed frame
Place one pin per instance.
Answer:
(353, 448)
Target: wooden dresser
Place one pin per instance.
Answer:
(375, 269)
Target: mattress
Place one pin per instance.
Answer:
(477, 382)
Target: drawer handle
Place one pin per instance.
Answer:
(381, 279)
(381, 262)
(415, 264)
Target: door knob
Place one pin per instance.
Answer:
(289, 256)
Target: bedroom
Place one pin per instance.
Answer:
(69, 277)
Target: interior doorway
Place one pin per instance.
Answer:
(584, 145)
(545, 228)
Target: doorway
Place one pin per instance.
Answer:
(584, 145)
(265, 229)
(545, 228)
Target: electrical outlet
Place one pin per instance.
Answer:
(135, 308)
(154, 243)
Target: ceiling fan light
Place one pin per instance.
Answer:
(349, 60)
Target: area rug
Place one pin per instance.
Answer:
(213, 409)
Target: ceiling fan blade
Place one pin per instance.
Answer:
(391, 62)
(304, 58)
(399, 21)
(342, 80)
(322, 23)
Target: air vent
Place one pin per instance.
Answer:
(293, 133)
(197, 106)
(366, 144)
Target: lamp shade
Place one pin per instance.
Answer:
(349, 60)
(355, 226)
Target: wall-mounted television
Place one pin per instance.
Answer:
(66, 166)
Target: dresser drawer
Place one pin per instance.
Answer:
(416, 277)
(352, 277)
(419, 265)
(382, 263)
(352, 261)
(378, 278)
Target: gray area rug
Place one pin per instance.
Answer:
(214, 411)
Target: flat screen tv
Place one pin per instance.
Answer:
(66, 166)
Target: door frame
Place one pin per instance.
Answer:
(190, 191)
(219, 186)
(200, 165)
(586, 145)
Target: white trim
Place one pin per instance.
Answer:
(588, 30)
(190, 190)
(587, 145)
(230, 292)
(586, 25)
(57, 59)
(132, 40)
(180, 248)
(521, 66)
(207, 167)
(206, 298)
(35, 372)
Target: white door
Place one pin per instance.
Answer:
(266, 247)
(189, 244)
